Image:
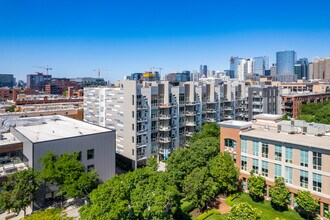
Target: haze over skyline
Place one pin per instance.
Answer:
(132, 36)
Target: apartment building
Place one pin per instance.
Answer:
(295, 150)
(152, 117)
(291, 103)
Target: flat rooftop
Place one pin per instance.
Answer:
(8, 138)
(307, 94)
(296, 139)
(235, 124)
(48, 128)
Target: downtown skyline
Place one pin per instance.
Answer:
(75, 39)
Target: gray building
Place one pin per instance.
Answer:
(262, 100)
(203, 71)
(7, 80)
(301, 68)
(260, 64)
(38, 81)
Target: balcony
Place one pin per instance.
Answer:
(257, 110)
(189, 134)
(141, 157)
(189, 113)
(210, 120)
(165, 128)
(140, 120)
(211, 111)
(10, 168)
(191, 103)
(142, 144)
(228, 108)
(142, 131)
(165, 105)
(141, 107)
(164, 117)
(209, 101)
(164, 140)
(190, 123)
(257, 103)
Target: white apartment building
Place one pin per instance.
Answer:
(152, 118)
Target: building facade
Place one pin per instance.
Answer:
(38, 81)
(296, 150)
(7, 80)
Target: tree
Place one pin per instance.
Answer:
(307, 203)
(208, 130)
(224, 172)
(19, 191)
(68, 173)
(256, 184)
(152, 163)
(199, 187)
(279, 194)
(11, 108)
(243, 211)
(49, 214)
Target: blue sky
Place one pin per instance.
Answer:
(75, 37)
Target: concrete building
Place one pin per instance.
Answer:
(152, 118)
(38, 81)
(320, 68)
(295, 150)
(7, 80)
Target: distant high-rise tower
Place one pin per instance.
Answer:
(234, 62)
(260, 65)
(203, 71)
(285, 61)
(301, 68)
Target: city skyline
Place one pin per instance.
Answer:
(75, 39)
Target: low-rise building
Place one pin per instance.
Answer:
(295, 150)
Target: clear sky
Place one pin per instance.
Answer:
(124, 36)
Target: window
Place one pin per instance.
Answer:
(288, 175)
(78, 155)
(132, 99)
(90, 154)
(264, 168)
(304, 179)
(255, 149)
(288, 155)
(278, 153)
(304, 158)
(278, 170)
(133, 140)
(132, 152)
(230, 143)
(132, 127)
(90, 167)
(317, 182)
(264, 150)
(255, 165)
(244, 146)
(317, 161)
(243, 163)
(132, 114)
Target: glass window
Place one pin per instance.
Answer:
(304, 158)
(244, 146)
(264, 150)
(288, 175)
(288, 155)
(255, 165)
(317, 161)
(304, 179)
(90, 167)
(255, 149)
(278, 170)
(132, 114)
(132, 99)
(79, 155)
(133, 152)
(278, 153)
(90, 154)
(243, 163)
(133, 140)
(230, 143)
(317, 182)
(264, 168)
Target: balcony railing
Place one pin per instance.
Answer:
(189, 113)
(142, 144)
(164, 128)
(165, 105)
(189, 134)
(141, 119)
(164, 117)
(141, 107)
(211, 111)
(164, 140)
(10, 168)
(191, 103)
(142, 131)
(189, 123)
(141, 156)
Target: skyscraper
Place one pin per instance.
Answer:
(321, 68)
(260, 65)
(285, 61)
(203, 71)
(234, 62)
(7, 80)
(301, 68)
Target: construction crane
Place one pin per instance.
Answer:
(159, 68)
(98, 70)
(47, 68)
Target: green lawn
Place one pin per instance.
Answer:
(267, 211)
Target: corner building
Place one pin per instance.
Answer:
(296, 150)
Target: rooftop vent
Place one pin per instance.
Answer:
(287, 128)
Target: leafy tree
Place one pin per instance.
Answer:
(256, 184)
(307, 203)
(199, 187)
(285, 117)
(184, 160)
(11, 108)
(19, 191)
(224, 172)
(68, 173)
(279, 194)
(49, 214)
(208, 130)
(243, 211)
(152, 163)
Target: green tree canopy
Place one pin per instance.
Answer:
(152, 163)
(243, 211)
(68, 173)
(49, 214)
(307, 203)
(279, 194)
(199, 187)
(224, 173)
(256, 184)
(208, 130)
(19, 191)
